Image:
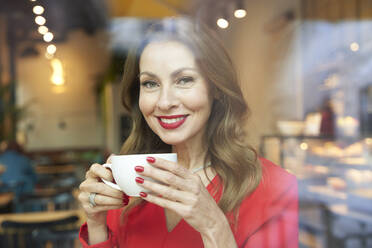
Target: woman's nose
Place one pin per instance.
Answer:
(167, 99)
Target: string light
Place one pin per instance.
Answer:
(48, 37)
(222, 23)
(40, 20)
(42, 30)
(51, 49)
(240, 13)
(38, 10)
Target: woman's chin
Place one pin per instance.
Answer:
(172, 141)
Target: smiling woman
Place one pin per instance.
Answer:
(184, 97)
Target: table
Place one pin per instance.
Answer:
(43, 216)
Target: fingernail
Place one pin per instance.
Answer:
(150, 159)
(139, 180)
(143, 194)
(139, 168)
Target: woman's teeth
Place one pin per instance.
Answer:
(169, 121)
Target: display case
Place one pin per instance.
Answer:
(335, 185)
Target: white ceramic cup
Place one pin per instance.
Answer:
(122, 167)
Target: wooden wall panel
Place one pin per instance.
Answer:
(336, 10)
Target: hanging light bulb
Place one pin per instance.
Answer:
(222, 23)
(42, 30)
(48, 37)
(38, 10)
(240, 12)
(51, 49)
(40, 20)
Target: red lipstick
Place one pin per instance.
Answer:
(172, 125)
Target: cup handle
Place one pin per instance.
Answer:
(111, 184)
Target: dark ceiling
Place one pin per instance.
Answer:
(62, 17)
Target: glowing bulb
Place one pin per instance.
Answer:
(33, 0)
(40, 20)
(304, 146)
(354, 46)
(51, 49)
(42, 30)
(48, 37)
(240, 13)
(222, 23)
(57, 78)
(38, 10)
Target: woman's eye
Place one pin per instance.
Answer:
(185, 80)
(149, 84)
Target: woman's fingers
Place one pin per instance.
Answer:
(97, 209)
(170, 166)
(100, 188)
(97, 171)
(167, 192)
(177, 207)
(102, 200)
(189, 184)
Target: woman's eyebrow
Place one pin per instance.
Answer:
(178, 71)
(146, 73)
(174, 74)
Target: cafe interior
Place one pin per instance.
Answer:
(304, 68)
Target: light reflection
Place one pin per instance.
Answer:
(57, 77)
(354, 47)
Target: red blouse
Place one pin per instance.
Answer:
(268, 218)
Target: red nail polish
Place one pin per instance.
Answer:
(139, 168)
(143, 194)
(139, 180)
(150, 159)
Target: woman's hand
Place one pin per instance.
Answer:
(184, 193)
(106, 197)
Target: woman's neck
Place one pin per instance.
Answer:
(190, 156)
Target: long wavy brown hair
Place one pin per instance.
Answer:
(233, 159)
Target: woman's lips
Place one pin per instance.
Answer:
(171, 122)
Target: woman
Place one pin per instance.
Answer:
(184, 97)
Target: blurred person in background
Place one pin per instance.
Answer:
(182, 91)
(19, 175)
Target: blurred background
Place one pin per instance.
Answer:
(305, 71)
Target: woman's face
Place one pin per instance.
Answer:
(174, 97)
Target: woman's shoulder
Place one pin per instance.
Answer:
(276, 185)
(275, 176)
